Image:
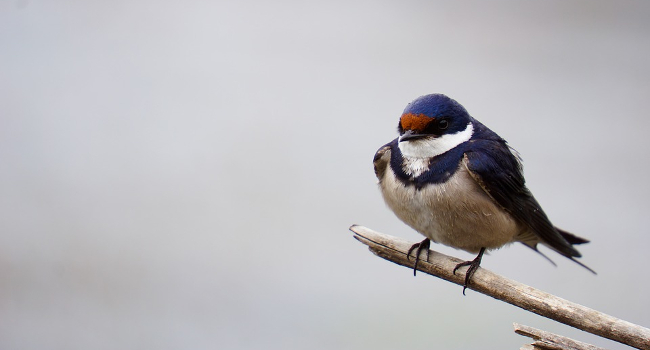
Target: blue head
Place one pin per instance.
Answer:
(433, 124)
(433, 116)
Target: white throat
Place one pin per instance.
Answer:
(431, 147)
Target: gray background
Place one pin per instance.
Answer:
(182, 175)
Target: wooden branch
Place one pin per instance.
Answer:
(549, 341)
(484, 281)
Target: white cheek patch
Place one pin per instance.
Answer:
(431, 147)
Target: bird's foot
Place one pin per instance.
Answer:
(420, 247)
(473, 266)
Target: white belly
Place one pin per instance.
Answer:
(457, 213)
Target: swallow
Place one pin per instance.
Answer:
(460, 184)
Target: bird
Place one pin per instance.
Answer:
(458, 183)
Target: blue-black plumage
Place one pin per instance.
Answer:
(459, 183)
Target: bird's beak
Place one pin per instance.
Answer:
(409, 135)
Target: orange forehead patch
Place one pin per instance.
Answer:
(410, 121)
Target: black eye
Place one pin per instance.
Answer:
(443, 124)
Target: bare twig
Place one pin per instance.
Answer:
(395, 249)
(550, 341)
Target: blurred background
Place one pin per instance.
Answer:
(182, 174)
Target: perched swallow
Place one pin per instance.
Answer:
(458, 183)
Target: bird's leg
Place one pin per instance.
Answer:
(420, 247)
(473, 266)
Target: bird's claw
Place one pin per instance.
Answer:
(473, 266)
(425, 244)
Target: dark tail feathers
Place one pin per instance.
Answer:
(571, 238)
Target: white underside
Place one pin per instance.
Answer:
(457, 213)
(434, 146)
